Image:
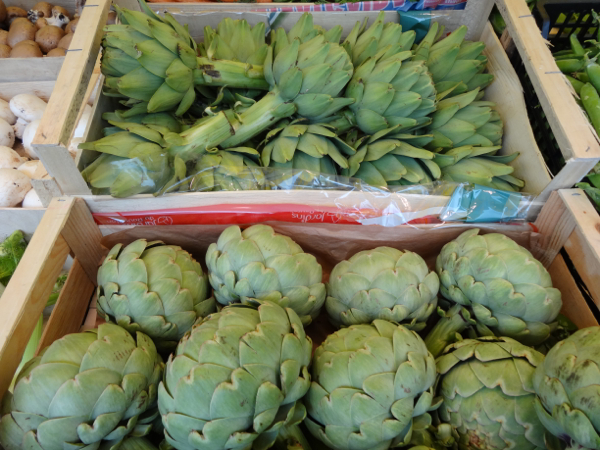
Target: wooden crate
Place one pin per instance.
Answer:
(38, 69)
(68, 228)
(565, 116)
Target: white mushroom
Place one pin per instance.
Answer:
(14, 185)
(6, 113)
(27, 107)
(33, 169)
(28, 136)
(82, 124)
(9, 159)
(32, 200)
(58, 19)
(7, 134)
(19, 127)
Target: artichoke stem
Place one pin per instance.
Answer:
(291, 437)
(230, 73)
(206, 134)
(264, 113)
(456, 320)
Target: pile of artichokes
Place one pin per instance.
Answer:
(173, 365)
(246, 111)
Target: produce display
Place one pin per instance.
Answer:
(44, 30)
(247, 376)
(378, 107)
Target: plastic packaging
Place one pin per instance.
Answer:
(391, 5)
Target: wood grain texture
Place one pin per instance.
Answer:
(567, 120)
(30, 69)
(583, 245)
(25, 296)
(555, 224)
(71, 307)
(60, 119)
(83, 236)
(575, 307)
(506, 91)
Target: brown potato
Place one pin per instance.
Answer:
(71, 26)
(21, 31)
(3, 36)
(43, 7)
(26, 49)
(4, 51)
(62, 10)
(49, 37)
(57, 52)
(41, 23)
(65, 42)
(12, 12)
(2, 11)
(18, 20)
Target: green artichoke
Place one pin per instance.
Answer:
(154, 288)
(488, 397)
(235, 380)
(383, 283)
(85, 390)
(498, 286)
(369, 381)
(568, 387)
(260, 264)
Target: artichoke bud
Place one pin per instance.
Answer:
(104, 390)
(275, 269)
(165, 294)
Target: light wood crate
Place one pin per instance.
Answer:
(580, 147)
(68, 228)
(44, 69)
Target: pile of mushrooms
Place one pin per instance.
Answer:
(44, 30)
(19, 120)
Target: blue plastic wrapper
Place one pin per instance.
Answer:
(475, 203)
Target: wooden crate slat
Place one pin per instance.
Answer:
(568, 122)
(25, 296)
(71, 306)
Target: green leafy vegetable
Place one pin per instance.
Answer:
(11, 252)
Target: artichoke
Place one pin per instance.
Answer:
(388, 88)
(85, 390)
(154, 288)
(479, 165)
(568, 387)
(304, 171)
(387, 158)
(260, 264)
(383, 283)
(463, 120)
(369, 381)
(233, 169)
(498, 286)
(235, 379)
(456, 65)
(488, 397)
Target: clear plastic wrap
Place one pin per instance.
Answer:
(331, 199)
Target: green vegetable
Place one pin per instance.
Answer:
(260, 264)
(591, 103)
(488, 397)
(570, 65)
(11, 252)
(567, 384)
(87, 389)
(236, 379)
(577, 85)
(383, 283)
(369, 382)
(154, 288)
(576, 45)
(498, 287)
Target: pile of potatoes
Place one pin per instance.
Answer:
(44, 30)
